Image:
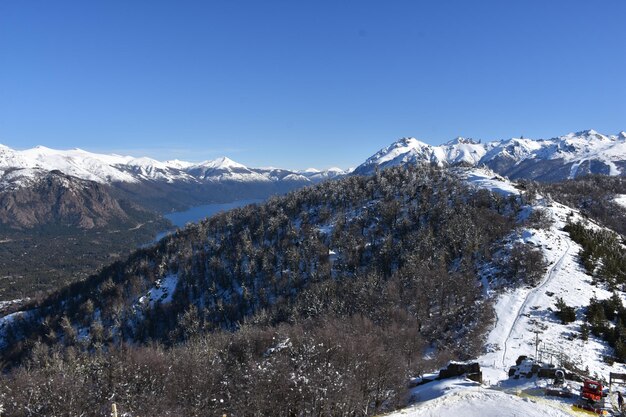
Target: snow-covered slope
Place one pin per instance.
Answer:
(464, 398)
(525, 314)
(317, 175)
(225, 169)
(75, 162)
(562, 157)
(525, 324)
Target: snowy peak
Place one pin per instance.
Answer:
(75, 162)
(459, 151)
(316, 175)
(590, 133)
(178, 164)
(462, 141)
(111, 168)
(404, 151)
(222, 163)
(567, 156)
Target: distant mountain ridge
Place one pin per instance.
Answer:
(107, 169)
(567, 156)
(159, 186)
(175, 185)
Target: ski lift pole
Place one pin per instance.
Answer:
(536, 344)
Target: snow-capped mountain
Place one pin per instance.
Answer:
(107, 169)
(568, 156)
(162, 186)
(316, 175)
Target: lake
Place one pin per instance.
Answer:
(197, 213)
(194, 214)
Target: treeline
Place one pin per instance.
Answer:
(360, 274)
(605, 319)
(602, 255)
(604, 258)
(593, 195)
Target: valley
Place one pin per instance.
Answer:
(421, 262)
(312, 209)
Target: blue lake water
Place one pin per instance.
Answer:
(197, 213)
(194, 214)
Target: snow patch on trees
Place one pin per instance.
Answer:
(621, 200)
(162, 292)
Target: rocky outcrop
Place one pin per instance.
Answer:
(59, 199)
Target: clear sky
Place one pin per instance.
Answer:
(304, 83)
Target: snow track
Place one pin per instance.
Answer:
(549, 276)
(524, 314)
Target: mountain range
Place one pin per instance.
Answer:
(563, 157)
(558, 158)
(175, 185)
(108, 169)
(340, 290)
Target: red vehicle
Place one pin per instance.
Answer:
(591, 397)
(591, 391)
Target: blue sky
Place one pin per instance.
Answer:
(297, 84)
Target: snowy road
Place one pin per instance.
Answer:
(531, 296)
(523, 314)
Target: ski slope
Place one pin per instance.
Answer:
(525, 316)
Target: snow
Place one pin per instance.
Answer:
(78, 163)
(573, 148)
(162, 291)
(8, 303)
(523, 316)
(221, 163)
(107, 168)
(178, 164)
(489, 180)
(316, 175)
(295, 177)
(621, 200)
(6, 321)
(526, 312)
(400, 149)
(461, 397)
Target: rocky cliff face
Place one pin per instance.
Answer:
(55, 198)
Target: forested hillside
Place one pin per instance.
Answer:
(594, 195)
(60, 229)
(331, 296)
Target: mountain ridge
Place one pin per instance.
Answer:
(113, 168)
(562, 157)
(566, 156)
